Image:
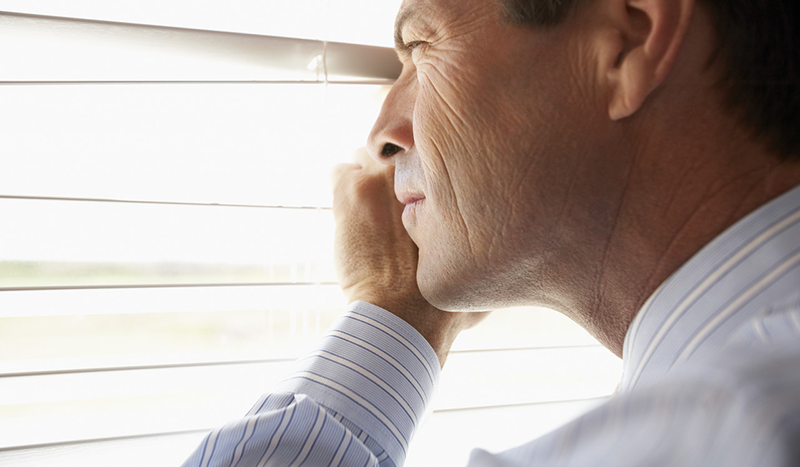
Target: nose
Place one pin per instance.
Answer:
(393, 133)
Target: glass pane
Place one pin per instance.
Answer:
(362, 21)
(268, 330)
(447, 438)
(71, 50)
(353, 21)
(47, 409)
(225, 143)
(526, 376)
(297, 18)
(52, 408)
(523, 327)
(167, 450)
(83, 329)
(67, 243)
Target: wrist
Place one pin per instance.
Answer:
(439, 328)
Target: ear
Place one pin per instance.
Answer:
(649, 35)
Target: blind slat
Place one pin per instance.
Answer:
(86, 50)
(379, 82)
(173, 203)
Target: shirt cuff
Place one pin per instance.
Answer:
(374, 369)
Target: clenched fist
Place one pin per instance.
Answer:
(376, 261)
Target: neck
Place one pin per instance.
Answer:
(676, 202)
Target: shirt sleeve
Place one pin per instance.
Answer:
(354, 402)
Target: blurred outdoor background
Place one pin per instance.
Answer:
(166, 233)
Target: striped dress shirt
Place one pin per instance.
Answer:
(711, 377)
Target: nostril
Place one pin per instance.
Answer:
(390, 150)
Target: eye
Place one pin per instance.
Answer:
(413, 45)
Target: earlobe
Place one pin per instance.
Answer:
(651, 33)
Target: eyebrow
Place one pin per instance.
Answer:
(407, 12)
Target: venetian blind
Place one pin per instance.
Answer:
(166, 240)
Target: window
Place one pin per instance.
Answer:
(166, 243)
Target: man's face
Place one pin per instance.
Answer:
(493, 122)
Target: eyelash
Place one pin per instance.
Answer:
(413, 45)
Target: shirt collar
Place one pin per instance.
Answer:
(751, 265)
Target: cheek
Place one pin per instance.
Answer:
(450, 125)
(437, 131)
(466, 164)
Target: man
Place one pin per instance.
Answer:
(630, 163)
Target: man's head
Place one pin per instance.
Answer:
(542, 163)
(758, 47)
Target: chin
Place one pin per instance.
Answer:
(451, 291)
(465, 284)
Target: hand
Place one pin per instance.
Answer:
(376, 260)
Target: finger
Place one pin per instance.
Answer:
(341, 171)
(362, 158)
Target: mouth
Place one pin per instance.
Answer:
(413, 203)
(410, 198)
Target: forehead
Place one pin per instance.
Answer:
(443, 12)
(411, 12)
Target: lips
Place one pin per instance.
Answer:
(409, 197)
(413, 202)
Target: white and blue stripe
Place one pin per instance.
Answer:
(371, 366)
(751, 266)
(711, 377)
